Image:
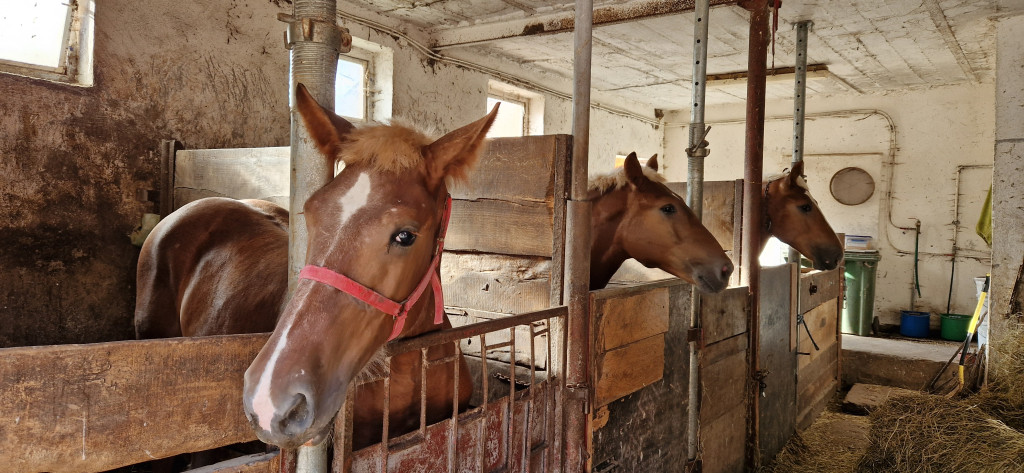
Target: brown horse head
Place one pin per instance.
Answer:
(636, 216)
(793, 216)
(376, 223)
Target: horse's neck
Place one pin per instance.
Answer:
(606, 255)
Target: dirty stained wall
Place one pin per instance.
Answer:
(72, 160)
(936, 130)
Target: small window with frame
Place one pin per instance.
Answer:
(521, 112)
(363, 85)
(48, 39)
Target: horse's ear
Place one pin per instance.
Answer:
(453, 154)
(326, 128)
(795, 174)
(653, 162)
(634, 173)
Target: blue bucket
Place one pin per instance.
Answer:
(914, 323)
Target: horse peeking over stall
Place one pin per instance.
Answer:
(790, 214)
(636, 216)
(219, 266)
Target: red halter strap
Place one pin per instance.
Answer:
(398, 310)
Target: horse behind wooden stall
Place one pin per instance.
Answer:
(793, 216)
(636, 216)
(219, 266)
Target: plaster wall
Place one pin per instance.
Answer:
(1008, 190)
(935, 130)
(72, 160)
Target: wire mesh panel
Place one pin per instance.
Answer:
(511, 422)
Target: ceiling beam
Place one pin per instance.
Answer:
(561, 22)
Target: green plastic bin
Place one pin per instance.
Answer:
(859, 306)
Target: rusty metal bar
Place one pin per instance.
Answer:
(799, 104)
(453, 428)
(343, 436)
(511, 395)
(576, 399)
(562, 22)
(482, 432)
(384, 448)
(757, 66)
(696, 152)
(423, 391)
(456, 333)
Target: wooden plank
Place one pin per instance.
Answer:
(255, 463)
(621, 321)
(562, 168)
(822, 322)
(816, 384)
(719, 208)
(498, 226)
(239, 173)
(723, 441)
(724, 385)
(818, 287)
(724, 314)
(777, 410)
(85, 408)
(496, 283)
(627, 369)
(517, 169)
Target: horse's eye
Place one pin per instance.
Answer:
(404, 238)
(806, 208)
(668, 209)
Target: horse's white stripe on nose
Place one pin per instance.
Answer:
(355, 198)
(262, 405)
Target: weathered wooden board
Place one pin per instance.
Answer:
(498, 226)
(724, 315)
(628, 368)
(84, 408)
(777, 409)
(816, 383)
(818, 287)
(724, 381)
(496, 283)
(724, 440)
(239, 173)
(621, 321)
(719, 211)
(515, 169)
(256, 463)
(822, 322)
(646, 430)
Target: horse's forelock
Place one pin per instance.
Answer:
(617, 179)
(387, 148)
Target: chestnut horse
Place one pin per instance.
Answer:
(792, 215)
(636, 216)
(219, 266)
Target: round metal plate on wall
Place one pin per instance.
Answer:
(852, 186)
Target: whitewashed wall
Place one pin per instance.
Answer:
(935, 131)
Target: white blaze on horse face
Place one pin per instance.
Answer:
(262, 405)
(356, 197)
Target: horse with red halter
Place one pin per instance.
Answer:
(376, 230)
(636, 216)
(792, 215)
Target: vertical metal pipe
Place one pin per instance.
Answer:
(313, 63)
(696, 152)
(757, 67)
(577, 258)
(799, 101)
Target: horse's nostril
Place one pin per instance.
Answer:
(297, 419)
(726, 270)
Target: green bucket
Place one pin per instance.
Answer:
(954, 326)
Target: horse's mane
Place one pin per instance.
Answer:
(388, 148)
(617, 179)
(800, 181)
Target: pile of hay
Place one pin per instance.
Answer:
(834, 443)
(977, 432)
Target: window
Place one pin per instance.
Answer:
(362, 88)
(48, 39)
(521, 112)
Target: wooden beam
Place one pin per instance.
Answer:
(561, 22)
(97, 407)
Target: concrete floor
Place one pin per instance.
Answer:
(897, 362)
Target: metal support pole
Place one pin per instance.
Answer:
(696, 152)
(577, 258)
(315, 40)
(799, 101)
(757, 68)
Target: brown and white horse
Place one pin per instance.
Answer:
(219, 266)
(792, 216)
(636, 216)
